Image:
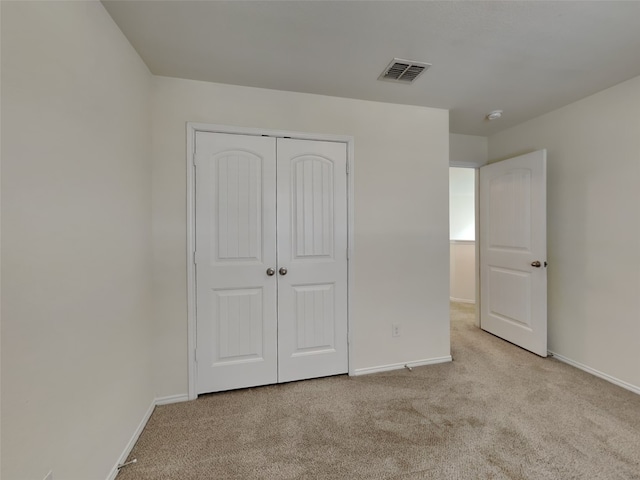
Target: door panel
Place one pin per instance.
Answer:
(513, 302)
(314, 319)
(235, 244)
(312, 212)
(238, 219)
(237, 319)
(312, 246)
(510, 209)
(513, 236)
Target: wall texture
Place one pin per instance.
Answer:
(76, 231)
(593, 226)
(468, 150)
(462, 204)
(462, 263)
(401, 228)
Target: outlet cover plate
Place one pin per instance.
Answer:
(395, 330)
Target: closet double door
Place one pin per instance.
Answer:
(271, 260)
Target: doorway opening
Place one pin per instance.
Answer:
(510, 248)
(463, 287)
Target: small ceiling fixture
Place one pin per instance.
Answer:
(404, 71)
(494, 115)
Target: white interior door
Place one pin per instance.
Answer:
(312, 259)
(513, 251)
(271, 260)
(236, 310)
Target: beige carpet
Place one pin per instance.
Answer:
(495, 412)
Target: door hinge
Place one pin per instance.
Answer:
(347, 167)
(347, 253)
(195, 355)
(194, 258)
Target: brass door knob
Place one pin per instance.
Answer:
(536, 264)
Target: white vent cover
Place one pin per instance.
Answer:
(404, 71)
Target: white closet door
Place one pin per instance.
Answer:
(236, 317)
(312, 259)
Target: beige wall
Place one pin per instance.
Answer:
(401, 228)
(462, 283)
(76, 227)
(462, 204)
(593, 226)
(468, 150)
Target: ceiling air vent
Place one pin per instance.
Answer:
(404, 71)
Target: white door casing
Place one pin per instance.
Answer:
(253, 328)
(513, 239)
(312, 247)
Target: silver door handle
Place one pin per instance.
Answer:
(271, 272)
(283, 271)
(536, 264)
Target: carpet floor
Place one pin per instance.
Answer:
(495, 412)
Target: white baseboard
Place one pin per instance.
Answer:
(398, 366)
(462, 300)
(172, 399)
(127, 450)
(597, 373)
(136, 434)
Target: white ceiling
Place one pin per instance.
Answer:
(524, 57)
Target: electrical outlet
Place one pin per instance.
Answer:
(395, 330)
(49, 476)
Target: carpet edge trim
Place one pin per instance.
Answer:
(398, 366)
(605, 376)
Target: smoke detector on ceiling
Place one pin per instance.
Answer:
(403, 71)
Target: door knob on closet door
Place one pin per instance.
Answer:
(271, 272)
(536, 264)
(283, 271)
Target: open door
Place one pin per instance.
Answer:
(513, 250)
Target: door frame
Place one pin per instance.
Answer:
(191, 129)
(476, 196)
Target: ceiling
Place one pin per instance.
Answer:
(523, 57)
